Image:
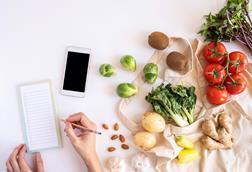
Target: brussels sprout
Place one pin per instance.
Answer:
(107, 70)
(128, 62)
(150, 72)
(126, 90)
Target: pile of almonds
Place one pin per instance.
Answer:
(115, 137)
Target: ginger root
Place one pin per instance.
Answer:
(209, 129)
(220, 136)
(211, 144)
(225, 121)
(225, 138)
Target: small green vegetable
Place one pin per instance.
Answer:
(126, 90)
(107, 70)
(175, 103)
(128, 62)
(150, 72)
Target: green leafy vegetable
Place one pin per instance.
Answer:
(107, 70)
(175, 103)
(128, 62)
(126, 90)
(232, 22)
(150, 72)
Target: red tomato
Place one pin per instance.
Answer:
(237, 62)
(214, 73)
(215, 52)
(236, 84)
(217, 95)
(224, 62)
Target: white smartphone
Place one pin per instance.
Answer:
(76, 71)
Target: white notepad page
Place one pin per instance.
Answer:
(41, 129)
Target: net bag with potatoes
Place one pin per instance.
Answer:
(220, 134)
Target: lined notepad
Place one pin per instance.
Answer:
(40, 125)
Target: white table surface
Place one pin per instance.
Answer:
(33, 38)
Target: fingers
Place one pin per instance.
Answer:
(9, 167)
(21, 160)
(83, 119)
(12, 164)
(70, 132)
(13, 159)
(77, 117)
(17, 162)
(39, 162)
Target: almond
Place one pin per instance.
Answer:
(124, 146)
(116, 126)
(111, 149)
(105, 126)
(114, 137)
(121, 138)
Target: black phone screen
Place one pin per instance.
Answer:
(76, 71)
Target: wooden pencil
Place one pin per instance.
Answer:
(82, 127)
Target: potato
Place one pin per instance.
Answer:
(153, 122)
(158, 40)
(145, 140)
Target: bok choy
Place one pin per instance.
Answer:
(175, 103)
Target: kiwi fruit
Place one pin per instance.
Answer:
(177, 61)
(158, 40)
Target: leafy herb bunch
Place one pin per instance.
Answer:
(232, 22)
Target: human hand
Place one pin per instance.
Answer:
(83, 141)
(17, 162)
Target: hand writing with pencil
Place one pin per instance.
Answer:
(84, 142)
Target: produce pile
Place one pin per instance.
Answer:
(128, 63)
(232, 22)
(223, 72)
(159, 41)
(175, 104)
(154, 123)
(171, 103)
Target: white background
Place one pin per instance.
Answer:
(33, 38)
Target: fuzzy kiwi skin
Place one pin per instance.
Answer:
(158, 40)
(177, 61)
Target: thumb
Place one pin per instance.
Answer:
(70, 132)
(39, 162)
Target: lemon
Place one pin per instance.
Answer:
(184, 142)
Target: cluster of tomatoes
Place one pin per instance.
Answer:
(223, 72)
